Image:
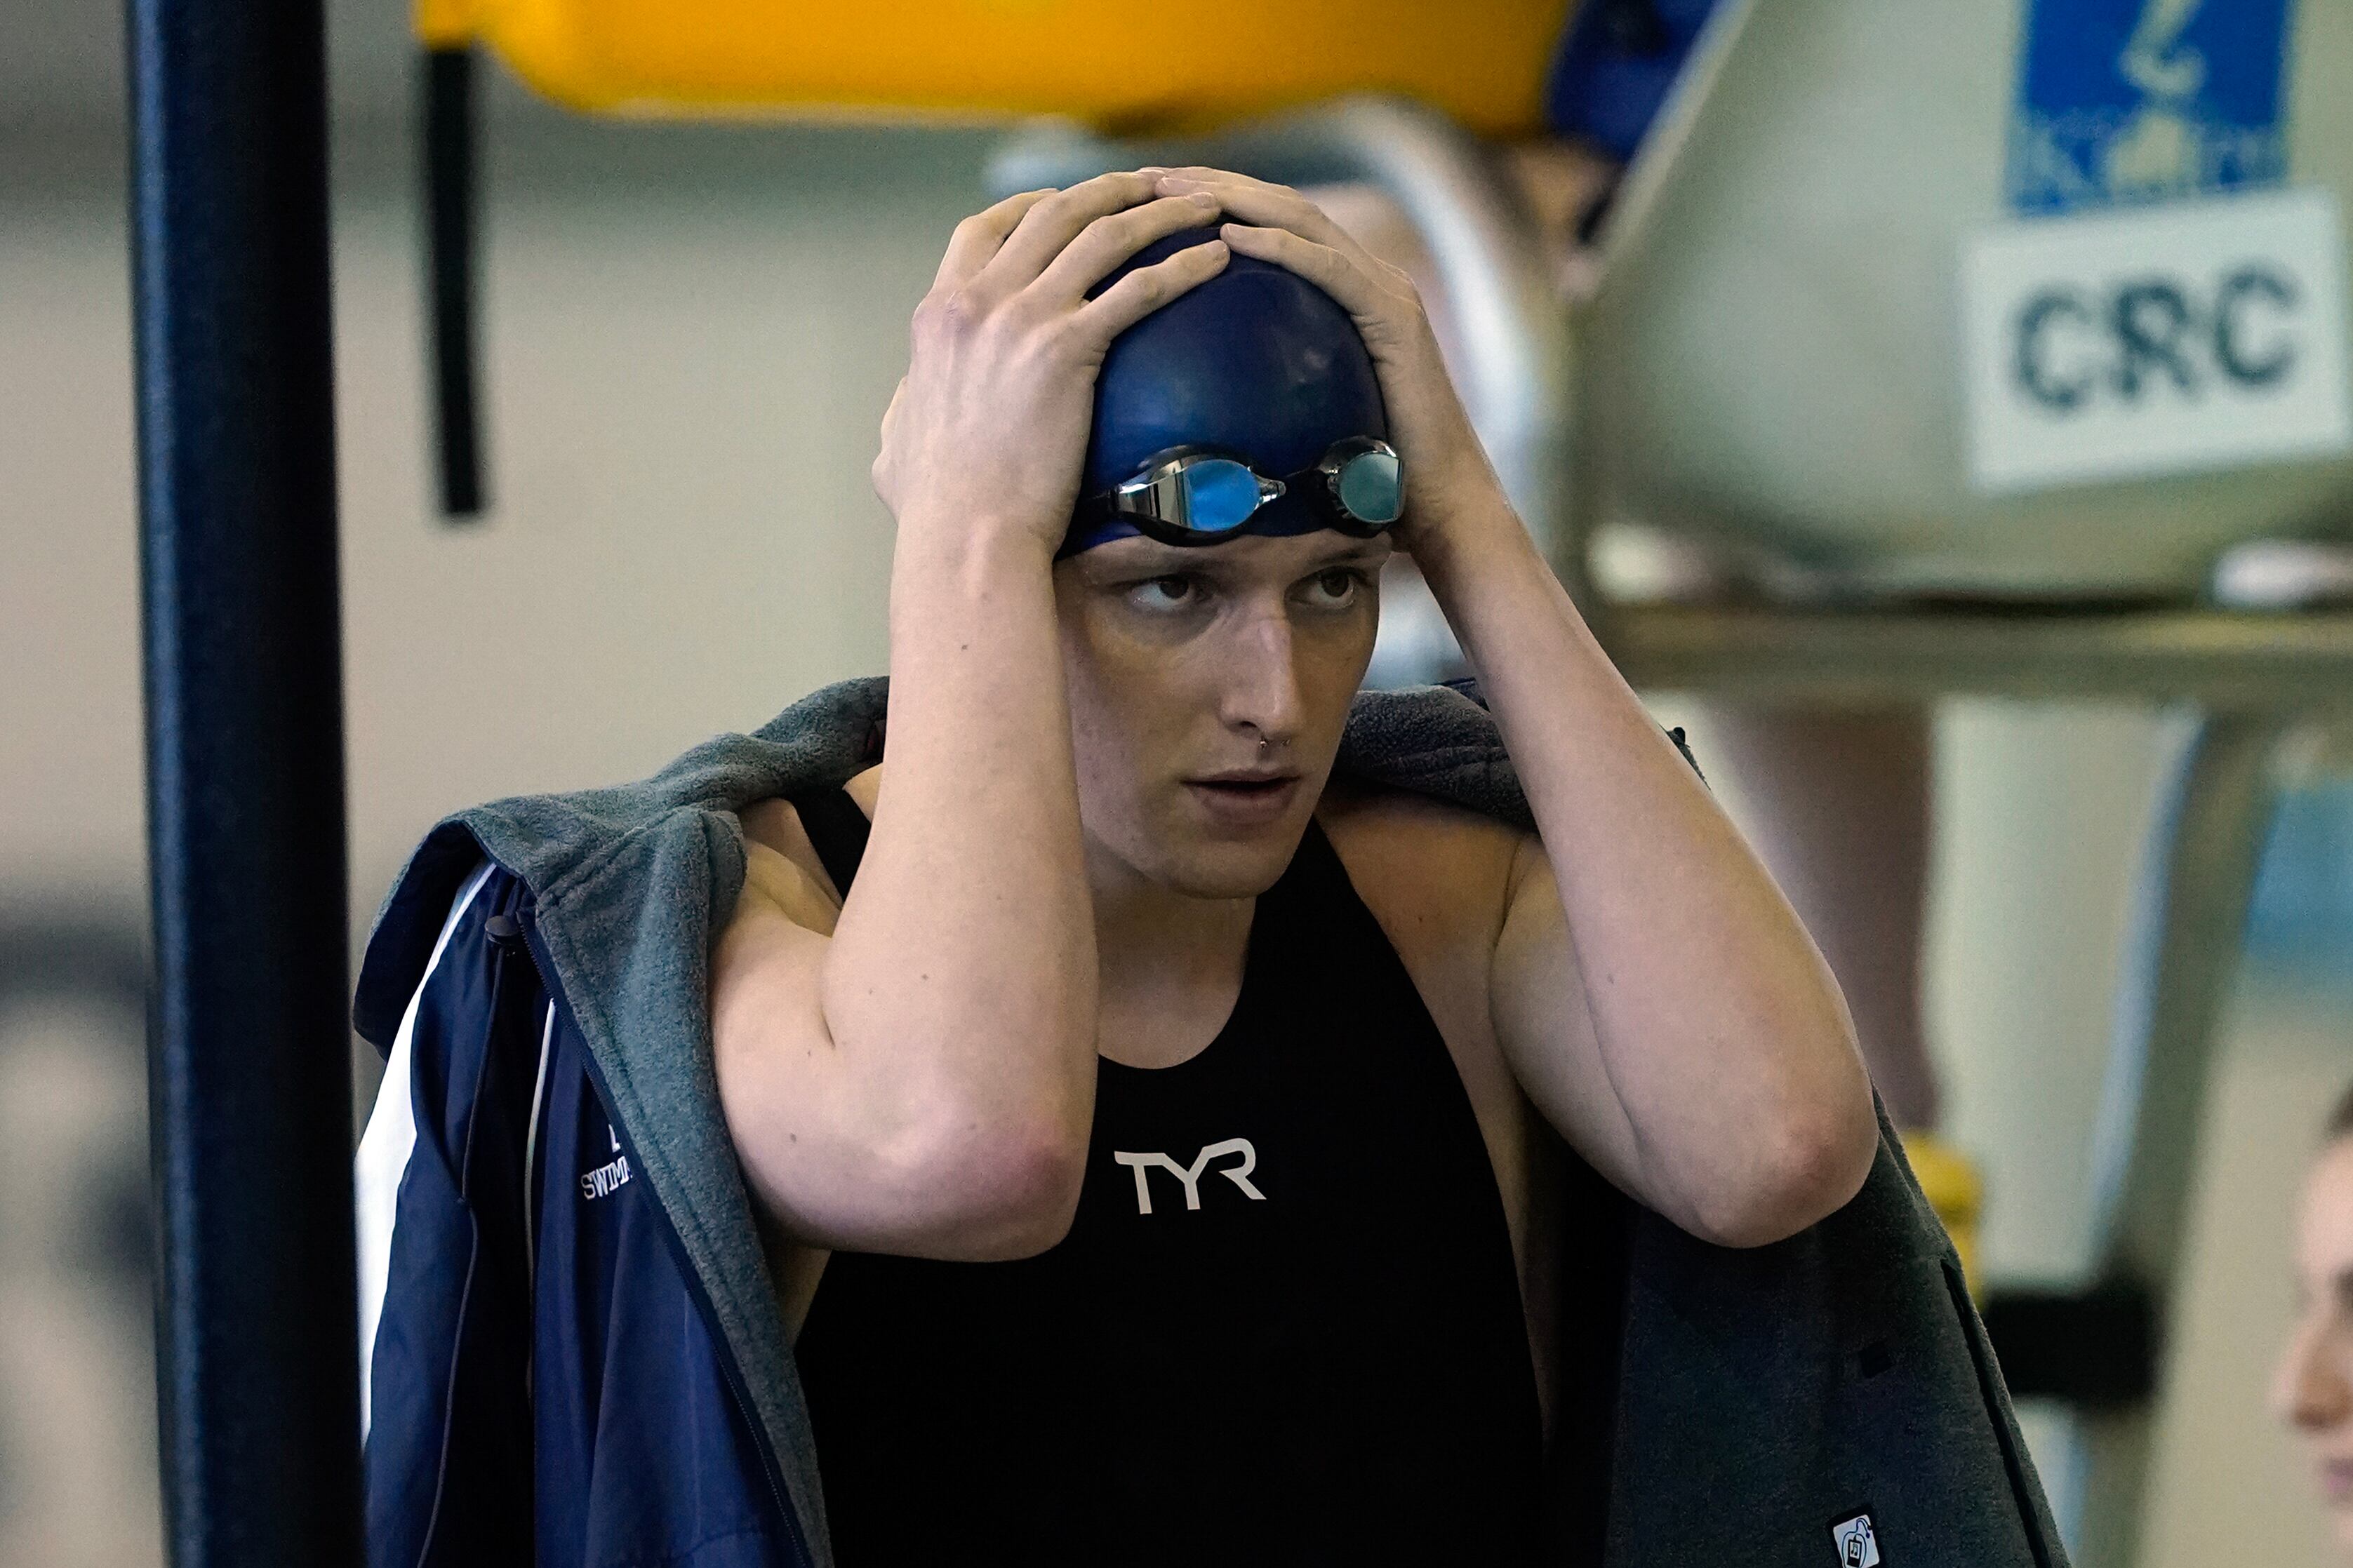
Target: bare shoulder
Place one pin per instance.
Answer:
(783, 867)
(1436, 875)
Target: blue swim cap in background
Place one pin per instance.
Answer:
(1257, 360)
(1617, 64)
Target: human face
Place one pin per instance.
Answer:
(2313, 1391)
(1181, 661)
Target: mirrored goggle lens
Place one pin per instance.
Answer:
(1216, 495)
(1368, 487)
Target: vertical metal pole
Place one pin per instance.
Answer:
(2189, 928)
(250, 1058)
(449, 248)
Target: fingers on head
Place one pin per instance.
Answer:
(1053, 223)
(1366, 288)
(1271, 207)
(1319, 263)
(978, 238)
(1201, 173)
(1148, 289)
(1254, 193)
(1105, 244)
(1069, 240)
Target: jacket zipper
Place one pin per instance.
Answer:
(771, 1467)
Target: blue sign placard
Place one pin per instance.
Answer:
(2140, 101)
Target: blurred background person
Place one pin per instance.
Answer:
(2314, 1389)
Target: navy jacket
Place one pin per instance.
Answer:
(543, 1385)
(573, 1354)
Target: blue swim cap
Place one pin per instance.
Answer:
(1258, 361)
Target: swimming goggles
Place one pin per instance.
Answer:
(1198, 495)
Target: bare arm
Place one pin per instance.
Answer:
(1656, 994)
(918, 1078)
(1741, 1107)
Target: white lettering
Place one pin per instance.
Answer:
(605, 1179)
(1191, 1176)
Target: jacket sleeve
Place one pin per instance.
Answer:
(445, 1305)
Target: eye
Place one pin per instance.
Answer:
(1337, 589)
(1177, 591)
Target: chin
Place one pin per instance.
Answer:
(1227, 865)
(1229, 871)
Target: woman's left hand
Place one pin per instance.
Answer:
(1444, 465)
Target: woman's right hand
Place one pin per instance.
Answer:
(988, 428)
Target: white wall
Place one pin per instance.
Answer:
(684, 381)
(70, 814)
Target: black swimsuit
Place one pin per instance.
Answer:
(1285, 1326)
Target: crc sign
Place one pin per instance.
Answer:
(2071, 347)
(2192, 336)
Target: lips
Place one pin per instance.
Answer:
(2336, 1481)
(1244, 799)
(1246, 776)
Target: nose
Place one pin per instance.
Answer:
(1263, 690)
(2313, 1388)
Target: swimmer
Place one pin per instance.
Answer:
(2313, 1391)
(1149, 1134)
